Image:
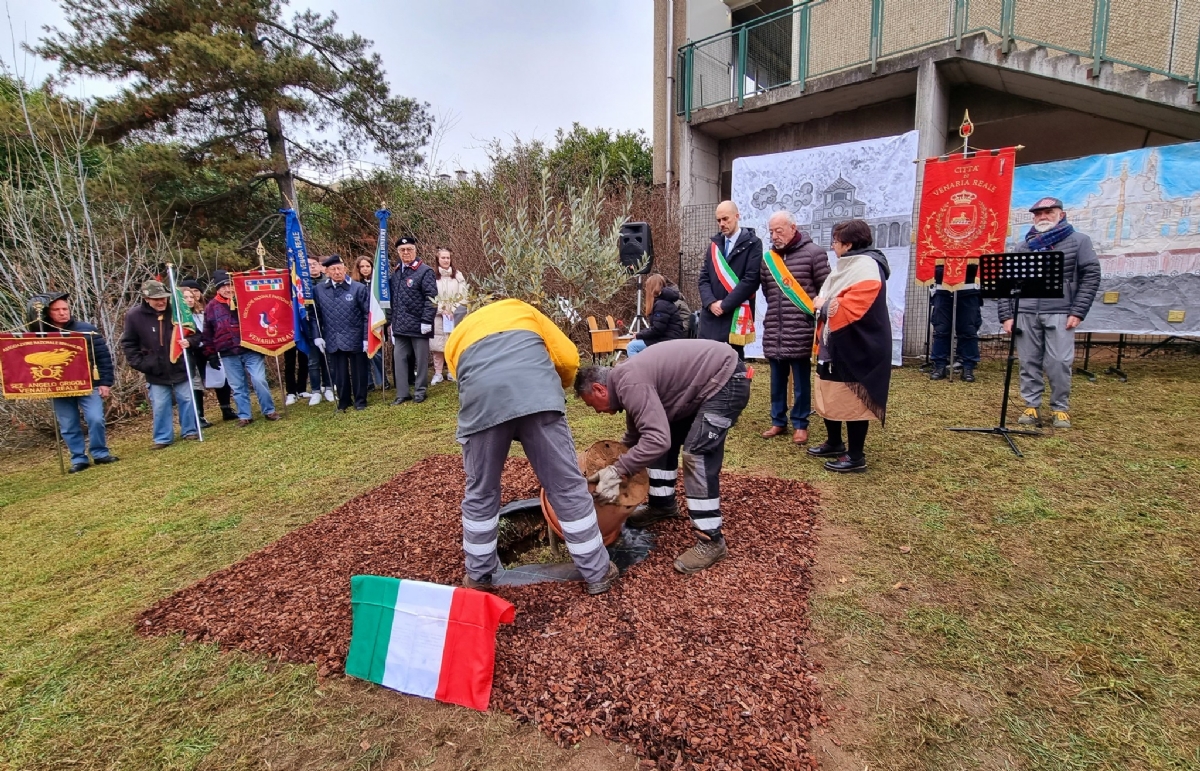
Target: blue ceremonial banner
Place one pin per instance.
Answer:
(381, 274)
(302, 290)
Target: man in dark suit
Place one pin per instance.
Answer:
(343, 312)
(728, 281)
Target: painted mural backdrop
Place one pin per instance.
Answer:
(1142, 211)
(874, 180)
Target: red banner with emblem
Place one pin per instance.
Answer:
(264, 308)
(44, 366)
(964, 212)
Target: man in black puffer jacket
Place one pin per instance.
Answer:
(414, 287)
(57, 315)
(787, 329)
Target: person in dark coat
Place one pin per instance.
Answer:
(788, 327)
(965, 319)
(1046, 343)
(146, 343)
(666, 323)
(340, 331)
(727, 296)
(245, 370)
(414, 292)
(57, 314)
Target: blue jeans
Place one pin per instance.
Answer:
(318, 371)
(800, 370)
(66, 410)
(635, 347)
(236, 369)
(161, 397)
(967, 322)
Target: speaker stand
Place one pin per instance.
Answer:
(639, 320)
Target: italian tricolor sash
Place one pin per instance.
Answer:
(787, 282)
(741, 331)
(425, 639)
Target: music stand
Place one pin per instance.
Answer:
(1014, 275)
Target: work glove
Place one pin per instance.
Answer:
(320, 343)
(426, 328)
(364, 346)
(608, 484)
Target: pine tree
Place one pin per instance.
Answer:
(232, 82)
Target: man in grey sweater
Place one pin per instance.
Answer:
(677, 395)
(1045, 328)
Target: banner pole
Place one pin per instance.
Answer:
(262, 268)
(187, 364)
(62, 466)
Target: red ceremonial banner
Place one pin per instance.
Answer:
(264, 307)
(964, 212)
(34, 366)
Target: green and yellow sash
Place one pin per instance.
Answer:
(787, 282)
(741, 331)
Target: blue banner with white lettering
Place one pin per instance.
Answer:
(381, 274)
(302, 291)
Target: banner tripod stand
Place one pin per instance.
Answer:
(1015, 275)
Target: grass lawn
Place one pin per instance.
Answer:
(1043, 614)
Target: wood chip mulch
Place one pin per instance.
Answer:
(706, 671)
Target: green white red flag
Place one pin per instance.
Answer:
(425, 639)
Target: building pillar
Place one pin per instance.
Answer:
(932, 119)
(699, 167)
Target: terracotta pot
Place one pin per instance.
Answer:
(611, 516)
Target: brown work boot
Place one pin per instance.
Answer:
(773, 431)
(645, 515)
(484, 584)
(606, 583)
(703, 555)
(800, 436)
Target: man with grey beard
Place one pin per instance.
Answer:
(1045, 328)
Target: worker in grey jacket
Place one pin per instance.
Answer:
(1046, 327)
(678, 394)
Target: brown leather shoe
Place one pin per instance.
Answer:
(773, 431)
(272, 416)
(800, 436)
(243, 422)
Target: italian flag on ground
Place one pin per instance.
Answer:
(425, 639)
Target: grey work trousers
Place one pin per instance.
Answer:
(551, 451)
(406, 349)
(1045, 345)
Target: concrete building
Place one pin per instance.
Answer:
(735, 78)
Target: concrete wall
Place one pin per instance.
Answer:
(705, 17)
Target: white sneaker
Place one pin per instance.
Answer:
(436, 379)
(328, 394)
(290, 400)
(304, 394)
(450, 378)
(314, 400)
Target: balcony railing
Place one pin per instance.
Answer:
(792, 46)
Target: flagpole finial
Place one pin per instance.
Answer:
(261, 252)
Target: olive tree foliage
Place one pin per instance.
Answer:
(54, 237)
(237, 85)
(557, 252)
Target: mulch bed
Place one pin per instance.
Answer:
(706, 670)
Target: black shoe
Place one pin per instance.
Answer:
(939, 373)
(645, 515)
(204, 423)
(418, 398)
(847, 465)
(77, 467)
(105, 459)
(359, 409)
(968, 375)
(827, 450)
(228, 413)
(399, 400)
(340, 411)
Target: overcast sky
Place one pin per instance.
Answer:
(496, 68)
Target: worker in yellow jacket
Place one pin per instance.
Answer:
(512, 365)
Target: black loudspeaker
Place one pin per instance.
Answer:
(634, 244)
